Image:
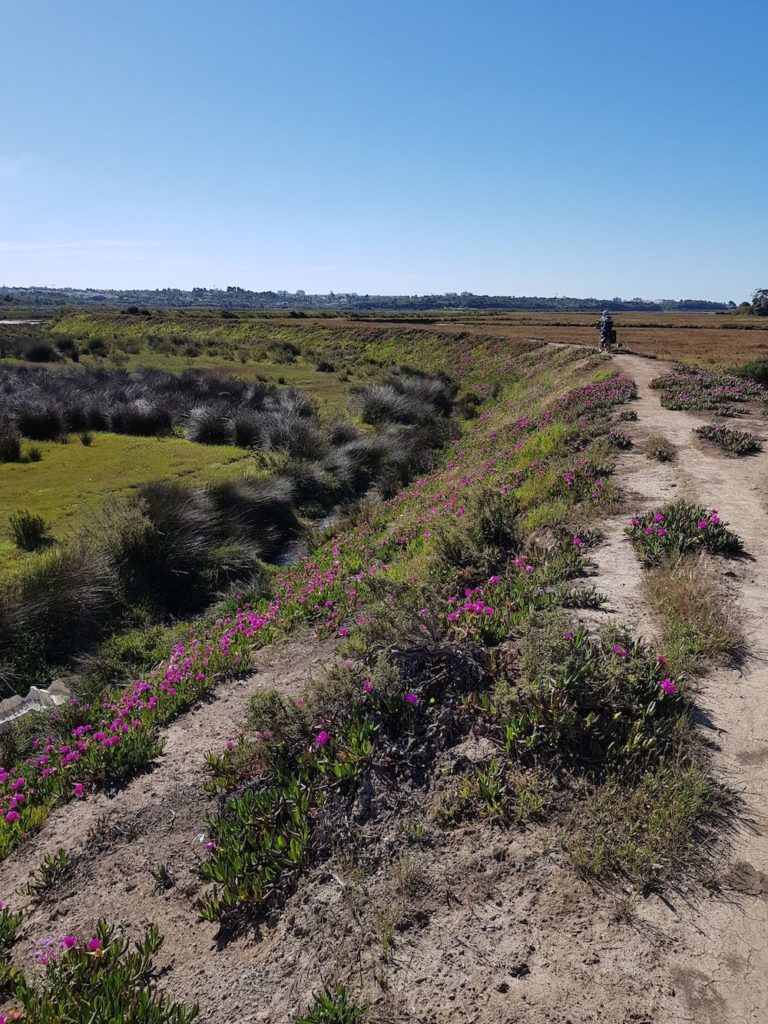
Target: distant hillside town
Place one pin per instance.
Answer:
(234, 298)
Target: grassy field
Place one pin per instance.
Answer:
(71, 483)
(241, 346)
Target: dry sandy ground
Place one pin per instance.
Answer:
(481, 926)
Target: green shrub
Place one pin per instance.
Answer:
(10, 444)
(61, 601)
(28, 531)
(160, 543)
(755, 370)
(40, 421)
(41, 352)
(484, 538)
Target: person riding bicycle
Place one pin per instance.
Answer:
(607, 332)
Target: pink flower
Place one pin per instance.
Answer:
(662, 659)
(210, 846)
(702, 524)
(619, 651)
(344, 631)
(94, 945)
(578, 542)
(367, 686)
(322, 738)
(68, 941)
(661, 533)
(568, 635)
(412, 699)
(714, 519)
(668, 686)
(658, 518)
(12, 816)
(229, 745)
(78, 789)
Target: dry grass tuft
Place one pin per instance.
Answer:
(700, 622)
(661, 449)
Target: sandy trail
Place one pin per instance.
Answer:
(504, 931)
(719, 966)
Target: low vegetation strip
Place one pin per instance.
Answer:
(106, 742)
(466, 653)
(454, 603)
(735, 442)
(705, 390)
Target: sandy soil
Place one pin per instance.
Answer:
(476, 927)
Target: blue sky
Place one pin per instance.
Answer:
(580, 148)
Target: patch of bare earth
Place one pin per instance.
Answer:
(475, 925)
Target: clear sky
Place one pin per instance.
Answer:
(575, 147)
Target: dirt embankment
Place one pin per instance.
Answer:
(476, 926)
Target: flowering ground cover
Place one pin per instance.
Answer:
(426, 664)
(102, 745)
(680, 529)
(737, 442)
(451, 601)
(706, 390)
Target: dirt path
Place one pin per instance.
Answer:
(495, 928)
(719, 966)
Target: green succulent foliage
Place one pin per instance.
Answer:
(333, 1006)
(112, 983)
(680, 529)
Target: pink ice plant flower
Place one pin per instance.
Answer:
(322, 738)
(668, 686)
(412, 699)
